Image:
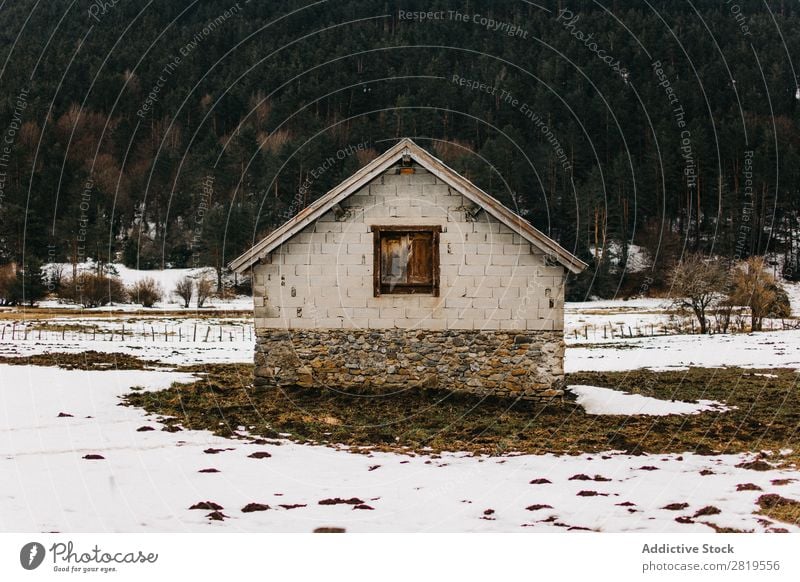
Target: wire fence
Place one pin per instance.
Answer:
(205, 333)
(195, 333)
(672, 327)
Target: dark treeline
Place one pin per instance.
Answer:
(177, 133)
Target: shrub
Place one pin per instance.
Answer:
(781, 307)
(94, 290)
(756, 288)
(205, 287)
(183, 289)
(146, 291)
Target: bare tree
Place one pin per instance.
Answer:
(55, 276)
(754, 287)
(698, 284)
(205, 287)
(183, 289)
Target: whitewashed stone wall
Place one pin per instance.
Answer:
(490, 278)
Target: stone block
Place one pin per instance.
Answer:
(540, 324)
(396, 179)
(383, 189)
(499, 271)
(458, 302)
(498, 314)
(423, 178)
(327, 227)
(460, 323)
(360, 291)
(433, 212)
(360, 248)
(513, 324)
(392, 313)
(505, 292)
(471, 270)
(307, 270)
(486, 227)
(409, 193)
(485, 302)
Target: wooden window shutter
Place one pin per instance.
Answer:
(420, 258)
(406, 259)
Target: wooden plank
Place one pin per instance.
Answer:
(435, 262)
(420, 259)
(376, 262)
(394, 259)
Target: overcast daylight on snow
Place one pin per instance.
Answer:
(418, 271)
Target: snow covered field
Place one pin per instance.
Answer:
(146, 479)
(778, 349)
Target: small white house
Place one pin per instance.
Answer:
(408, 275)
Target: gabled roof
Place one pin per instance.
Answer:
(377, 167)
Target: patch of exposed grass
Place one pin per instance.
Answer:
(43, 325)
(779, 508)
(90, 360)
(766, 417)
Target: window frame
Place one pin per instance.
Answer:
(378, 287)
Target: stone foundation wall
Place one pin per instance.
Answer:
(503, 363)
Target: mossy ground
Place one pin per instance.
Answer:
(766, 414)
